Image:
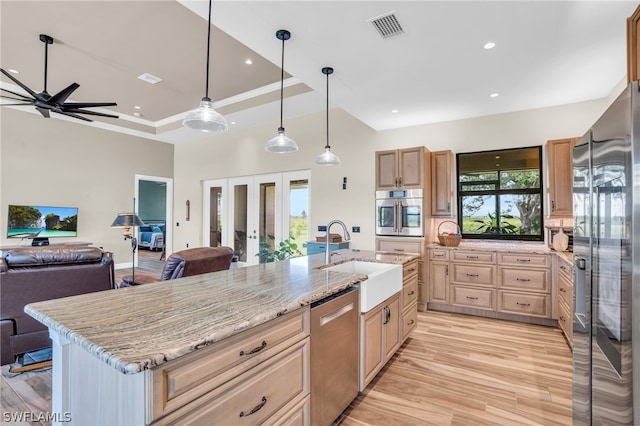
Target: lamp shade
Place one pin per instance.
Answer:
(126, 220)
(327, 158)
(205, 118)
(281, 144)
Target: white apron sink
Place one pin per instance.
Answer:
(383, 281)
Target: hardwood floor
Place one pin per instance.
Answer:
(149, 262)
(464, 370)
(454, 370)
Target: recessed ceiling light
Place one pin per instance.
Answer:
(489, 45)
(149, 78)
(136, 106)
(394, 111)
(137, 114)
(14, 71)
(233, 122)
(493, 95)
(248, 62)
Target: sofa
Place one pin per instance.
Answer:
(34, 274)
(185, 263)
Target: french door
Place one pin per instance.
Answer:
(254, 213)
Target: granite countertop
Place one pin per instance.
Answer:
(138, 328)
(507, 247)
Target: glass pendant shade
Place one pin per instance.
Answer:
(327, 158)
(281, 144)
(205, 118)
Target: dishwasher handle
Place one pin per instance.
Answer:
(336, 314)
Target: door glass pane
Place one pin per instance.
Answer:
(298, 210)
(267, 213)
(386, 216)
(240, 222)
(215, 217)
(411, 217)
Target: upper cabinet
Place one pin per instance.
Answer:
(633, 46)
(401, 168)
(560, 161)
(442, 204)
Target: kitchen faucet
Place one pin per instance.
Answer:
(347, 237)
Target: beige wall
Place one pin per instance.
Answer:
(242, 153)
(61, 163)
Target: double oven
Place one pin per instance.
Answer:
(399, 213)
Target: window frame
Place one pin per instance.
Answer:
(497, 192)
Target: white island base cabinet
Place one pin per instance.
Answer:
(221, 384)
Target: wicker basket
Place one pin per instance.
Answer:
(449, 240)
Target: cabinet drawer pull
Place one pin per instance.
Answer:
(254, 350)
(472, 257)
(562, 289)
(411, 293)
(523, 279)
(472, 275)
(438, 255)
(523, 304)
(472, 298)
(411, 269)
(397, 249)
(523, 260)
(255, 409)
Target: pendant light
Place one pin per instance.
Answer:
(327, 158)
(205, 118)
(281, 144)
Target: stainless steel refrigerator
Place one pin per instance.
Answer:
(606, 246)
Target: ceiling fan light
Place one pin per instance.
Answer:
(281, 144)
(205, 118)
(327, 158)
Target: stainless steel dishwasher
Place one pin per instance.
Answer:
(334, 355)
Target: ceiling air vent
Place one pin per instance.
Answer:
(387, 25)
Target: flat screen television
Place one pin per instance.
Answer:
(42, 222)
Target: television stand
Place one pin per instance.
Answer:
(40, 242)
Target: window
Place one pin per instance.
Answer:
(500, 194)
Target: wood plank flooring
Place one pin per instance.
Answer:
(454, 370)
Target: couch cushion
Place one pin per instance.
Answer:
(46, 256)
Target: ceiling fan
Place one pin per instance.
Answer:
(45, 103)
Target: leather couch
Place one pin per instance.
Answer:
(34, 274)
(184, 263)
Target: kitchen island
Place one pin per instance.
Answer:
(110, 348)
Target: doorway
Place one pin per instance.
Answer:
(154, 205)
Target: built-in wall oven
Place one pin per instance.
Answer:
(399, 212)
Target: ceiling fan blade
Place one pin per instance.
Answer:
(59, 111)
(23, 97)
(84, 111)
(76, 105)
(61, 96)
(44, 112)
(30, 102)
(26, 103)
(15, 80)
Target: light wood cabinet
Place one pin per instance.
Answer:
(409, 299)
(633, 46)
(380, 338)
(401, 168)
(508, 285)
(229, 377)
(559, 166)
(409, 245)
(564, 275)
(442, 184)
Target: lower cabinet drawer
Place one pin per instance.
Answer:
(525, 279)
(473, 297)
(409, 321)
(185, 379)
(473, 274)
(254, 396)
(565, 321)
(538, 305)
(409, 293)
